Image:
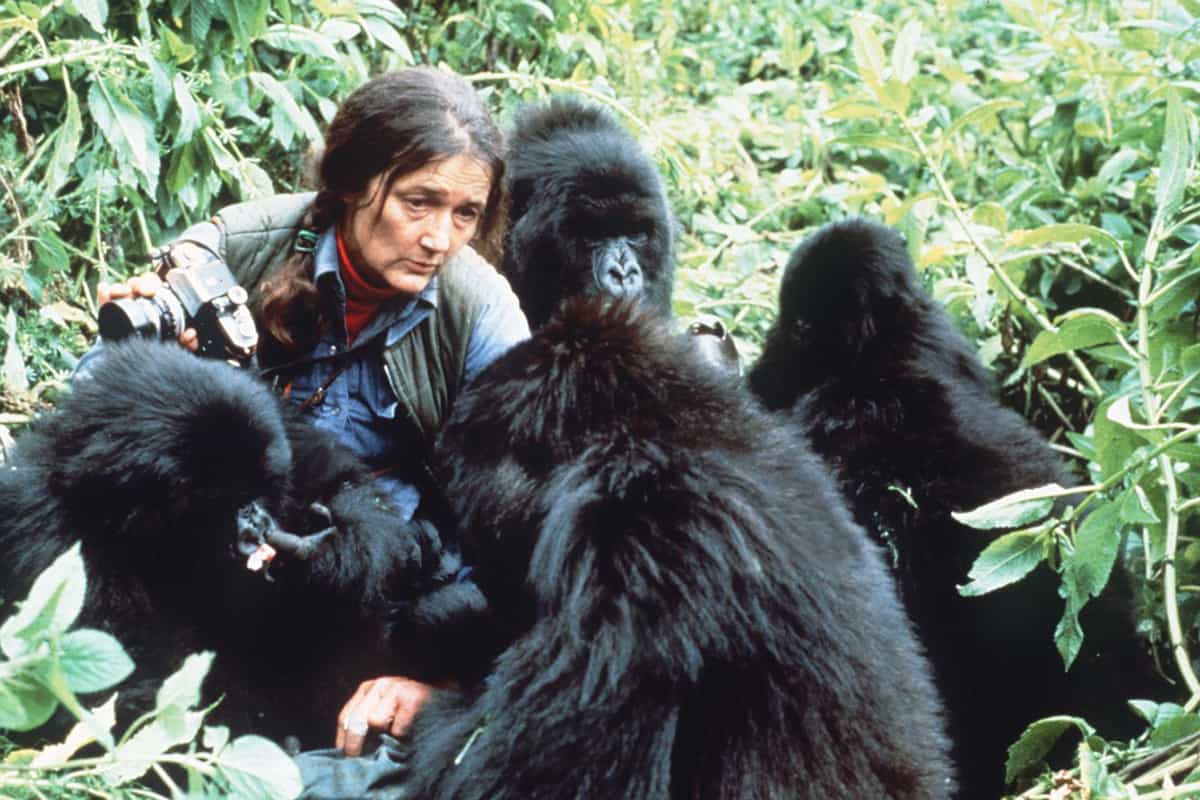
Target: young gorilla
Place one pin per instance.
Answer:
(896, 400)
(691, 612)
(172, 470)
(588, 212)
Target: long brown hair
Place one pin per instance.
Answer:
(393, 124)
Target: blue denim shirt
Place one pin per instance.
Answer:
(359, 408)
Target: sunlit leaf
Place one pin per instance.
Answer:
(1078, 329)
(257, 769)
(1013, 510)
(1174, 161)
(1031, 748)
(93, 660)
(53, 605)
(127, 131)
(1005, 561)
(66, 145)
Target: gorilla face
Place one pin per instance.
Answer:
(588, 212)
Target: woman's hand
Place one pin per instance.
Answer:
(387, 704)
(144, 285)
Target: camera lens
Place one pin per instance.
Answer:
(149, 317)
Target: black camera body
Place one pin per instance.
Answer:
(198, 292)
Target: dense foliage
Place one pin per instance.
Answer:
(1040, 156)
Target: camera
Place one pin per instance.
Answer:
(198, 292)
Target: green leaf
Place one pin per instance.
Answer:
(1005, 561)
(1061, 233)
(1068, 633)
(874, 140)
(296, 39)
(247, 18)
(138, 753)
(282, 99)
(13, 375)
(215, 737)
(1078, 329)
(868, 52)
(93, 660)
(389, 37)
(1012, 510)
(1114, 443)
(94, 11)
(25, 702)
(56, 681)
(1136, 508)
(904, 52)
(1096, 544)
(51, 251)
(66, 146)
(201, 13)
(1031, 747)
(849, 109)
(1174, 162)
(182, 689)
(81, 735)
(896, 96)
(1117, 166)
(978, 114)
(189, 112)
(257, 769)
(1174, 728)
(53, 605)
(126, 130)
(540, 9)
(180, 51)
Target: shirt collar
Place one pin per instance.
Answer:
(325, 257)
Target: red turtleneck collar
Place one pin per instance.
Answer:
(362, 299)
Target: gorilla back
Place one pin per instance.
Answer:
(693, 614)
(170, 470)
(588, 212)
(873, 373)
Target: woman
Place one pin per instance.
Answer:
(372, 308)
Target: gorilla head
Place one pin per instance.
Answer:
(157, 442)
(588, 212)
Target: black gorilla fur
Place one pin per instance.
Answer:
(588, 212)
(147, 462)
(894, 397)
(692, 613)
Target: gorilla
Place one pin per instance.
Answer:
(174, 472)
(690, 612)
(873, 373)
(588, 213)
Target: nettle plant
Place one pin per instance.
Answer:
(47, 664)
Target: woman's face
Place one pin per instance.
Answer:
(401, 237)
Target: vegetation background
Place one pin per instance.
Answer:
(1040, 156)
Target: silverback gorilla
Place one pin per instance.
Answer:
(895, 399)
(588, 213)
(691, 612)
(171, 470)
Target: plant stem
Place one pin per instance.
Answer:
(67, 58)
(1166, 470)
(960, 216)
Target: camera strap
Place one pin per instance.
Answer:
(318, 396)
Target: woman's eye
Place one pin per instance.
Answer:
(417, 203)
(467, 214)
